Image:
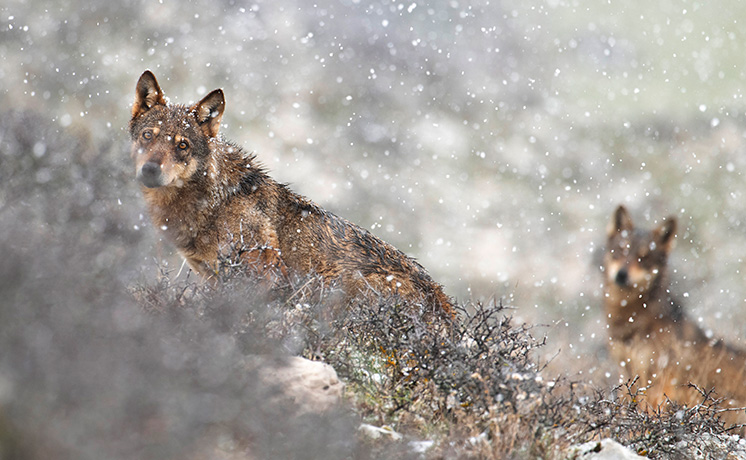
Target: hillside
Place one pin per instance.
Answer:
(490, 141)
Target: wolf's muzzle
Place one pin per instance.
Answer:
(622, 277)
(150, 175)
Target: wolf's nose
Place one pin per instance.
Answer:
(150, 174)
(622, 277)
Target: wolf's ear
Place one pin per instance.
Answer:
(147, 94)
(665, 233)
(620, 221)
(209, 111)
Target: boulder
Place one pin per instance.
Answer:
(312, 385)
(605, 449)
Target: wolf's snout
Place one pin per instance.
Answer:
(622, 277)
(150, 175)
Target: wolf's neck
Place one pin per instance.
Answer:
(632, 311)
(227, 172)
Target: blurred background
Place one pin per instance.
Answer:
(491, 140)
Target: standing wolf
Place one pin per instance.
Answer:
(212, 200)
(650, 335)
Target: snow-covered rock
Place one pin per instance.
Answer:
(605, 449)
(375, 432)
(312, 385)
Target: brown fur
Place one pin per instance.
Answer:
(650, 335)
(213, 199)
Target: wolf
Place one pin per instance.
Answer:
(214, 201)
(650, 334)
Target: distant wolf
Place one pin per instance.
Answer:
(214, 200)
(649, 333)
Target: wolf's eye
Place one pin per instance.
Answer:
(183, 145)
(147, 135)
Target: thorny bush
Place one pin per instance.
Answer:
(471, 385)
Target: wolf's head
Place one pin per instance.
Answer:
(170, 142)
(636, 258)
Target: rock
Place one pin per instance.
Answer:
(375, 432)
(702, 446)
(312, 385)
(606, 449)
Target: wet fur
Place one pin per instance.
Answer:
(212, 199)
(649, 332)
